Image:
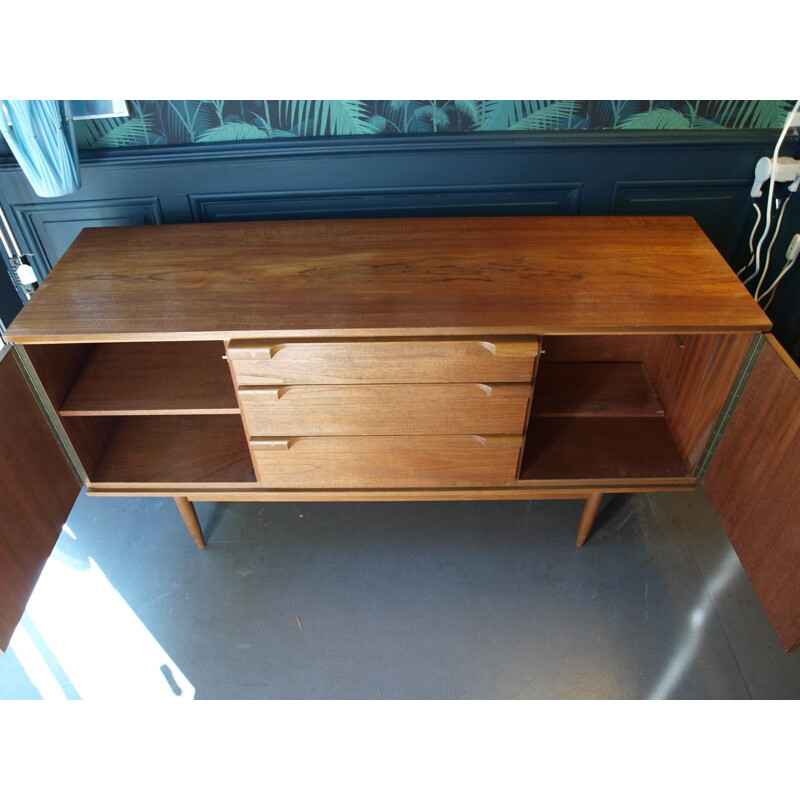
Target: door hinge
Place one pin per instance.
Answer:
(749, 362)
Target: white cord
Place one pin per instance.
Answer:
(778, 144)
(752, 236)
(786, 268)
(769, 249)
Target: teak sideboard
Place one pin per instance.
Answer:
(400, 359)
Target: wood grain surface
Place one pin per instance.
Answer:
(177, 451)
(752, 482)
(431, 408)
(407, 360)
(519, 491)
(153, 378)
(626, 347)
(600, 448)
(187, 511)
(585, 389)
(693, 376)
(386, 461)
(471, 275)
(38, 492)
(58, 367)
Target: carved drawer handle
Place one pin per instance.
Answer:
(521, 348)
(269, 392)
(512, 346)
(273, 443)
(255, 349)
(286, 442)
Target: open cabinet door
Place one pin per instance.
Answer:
(37, 491)
(754, 484)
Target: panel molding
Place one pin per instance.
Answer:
(698, 198)
(530, 198)
(35, 219)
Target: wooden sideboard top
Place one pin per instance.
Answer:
(389, 277)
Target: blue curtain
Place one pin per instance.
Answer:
(41, 138)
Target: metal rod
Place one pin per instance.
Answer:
(10, 233)
(6, 244)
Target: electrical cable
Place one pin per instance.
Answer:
(787, 266)
(752, 236)
(768, 222)
(769, 249)
(771, 298)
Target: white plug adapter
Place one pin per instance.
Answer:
(763, 171)
(794, 248)
(786, 169)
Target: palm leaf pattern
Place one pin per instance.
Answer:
(131, 133)
(431, 113)
(657, 119)
(751, 113)
(111, 132)
(329, 117)
(468, 108)
(161, 122)
(234, 132)
(500, 115)
(554, 115)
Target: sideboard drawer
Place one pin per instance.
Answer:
(383, 409)
(501, 359)
(385, 461)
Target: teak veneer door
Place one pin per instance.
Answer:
(753, 484)
(37, 493)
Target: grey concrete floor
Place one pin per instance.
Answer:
(462, 600)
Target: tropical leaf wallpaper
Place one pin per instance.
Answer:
(163, 122)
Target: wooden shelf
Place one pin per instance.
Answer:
(148, 451)
(585, 390)
(153, 378)
(600, 448)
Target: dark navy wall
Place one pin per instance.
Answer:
(10, 301)
(707, 175)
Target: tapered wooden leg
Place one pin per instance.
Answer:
(588, 517)
(190, 518)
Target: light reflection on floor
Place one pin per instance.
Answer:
(484, 600)
(79, 639)
(689, 645)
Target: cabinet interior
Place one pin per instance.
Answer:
(627, 408)
(148, 413)
(619, 408)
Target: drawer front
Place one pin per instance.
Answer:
(439, 360)
(352, 462)
(331, 410)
